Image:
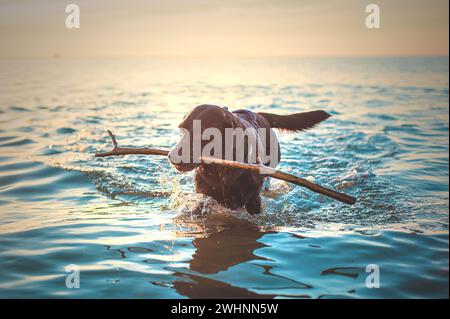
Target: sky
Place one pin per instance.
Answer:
(254, 28)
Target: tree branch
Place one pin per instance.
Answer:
(261, 169)
(113, 138)
(120, 151)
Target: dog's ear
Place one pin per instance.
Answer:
(185, 119)
(229, 119)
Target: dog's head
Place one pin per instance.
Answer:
(200, 126)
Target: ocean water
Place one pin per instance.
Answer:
(126, 222)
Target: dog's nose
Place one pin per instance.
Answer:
(172, 156)
(176, 160)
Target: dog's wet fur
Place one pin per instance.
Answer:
(236, 188)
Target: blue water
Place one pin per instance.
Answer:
(126, 222)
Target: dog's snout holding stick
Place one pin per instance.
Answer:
(120, 151)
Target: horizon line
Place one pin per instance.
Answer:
(57, 56)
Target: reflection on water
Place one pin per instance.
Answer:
(234, 244)
(226, 248)
(129, 224)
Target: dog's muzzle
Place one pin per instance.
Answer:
(177, 161)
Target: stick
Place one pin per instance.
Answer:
(119, 151)
(262, 169)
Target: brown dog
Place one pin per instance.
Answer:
(231, 187)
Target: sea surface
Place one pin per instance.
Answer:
(126, 223)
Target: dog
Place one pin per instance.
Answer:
(233, 187)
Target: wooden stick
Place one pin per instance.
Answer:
(120, 151)
(262, 169)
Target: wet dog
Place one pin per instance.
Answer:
(232, 187)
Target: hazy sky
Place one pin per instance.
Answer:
(223, 28)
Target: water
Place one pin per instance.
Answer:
(126, 221)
